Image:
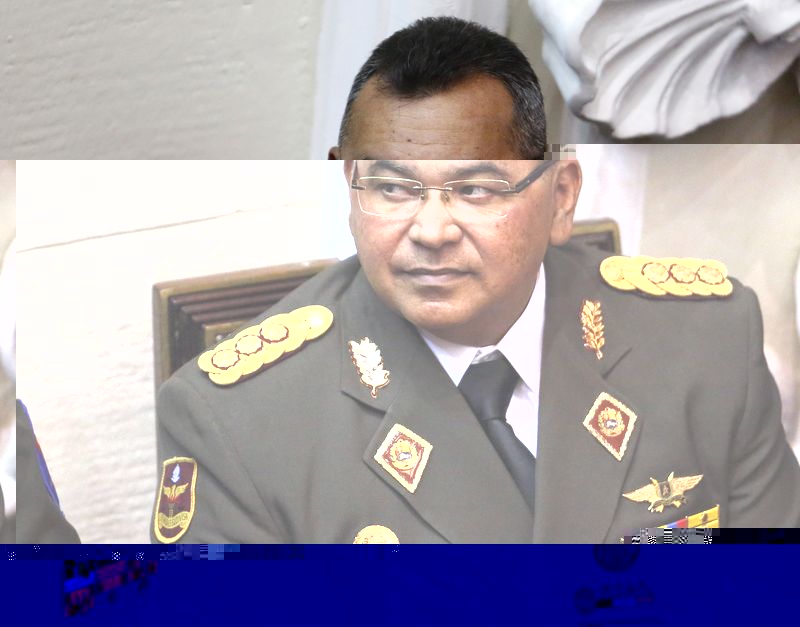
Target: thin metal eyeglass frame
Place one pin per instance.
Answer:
(531, 178)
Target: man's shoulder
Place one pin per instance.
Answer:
(689, 316)
(326, 288)
(319, 297)
(653, 282)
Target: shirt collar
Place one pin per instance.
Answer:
(521, 345)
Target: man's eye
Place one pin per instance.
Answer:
(475, 191)
(395, 190)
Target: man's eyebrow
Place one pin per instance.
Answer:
(481, 168)
(391, 166)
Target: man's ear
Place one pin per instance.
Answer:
(335, 153)
(565, 188)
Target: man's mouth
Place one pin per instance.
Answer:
(435, 271)
(435, 276)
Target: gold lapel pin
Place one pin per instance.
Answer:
(404, 455)
(368, 361)
(611, 423)
(593, 327)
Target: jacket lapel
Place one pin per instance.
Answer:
(578, 482)
(465, 492)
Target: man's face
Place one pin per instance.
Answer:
(464, 281)
(471, 120)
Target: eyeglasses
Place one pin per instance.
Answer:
(473, 200)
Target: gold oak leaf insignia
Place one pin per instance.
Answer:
(593, 327)
(367, 359)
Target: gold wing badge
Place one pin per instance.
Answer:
(593, 327)
(662, 494)
(667, 276)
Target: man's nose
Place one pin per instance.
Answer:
(433, 225)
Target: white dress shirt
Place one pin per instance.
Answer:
(522, 346)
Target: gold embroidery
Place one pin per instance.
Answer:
(611, 423)
(667, 276)
(369, 363)
(662, 494)
(254, 348)
(593, 327)
(404, 455)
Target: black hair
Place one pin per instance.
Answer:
(435, 53)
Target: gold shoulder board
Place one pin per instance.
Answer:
(254, 348)
(667, 276)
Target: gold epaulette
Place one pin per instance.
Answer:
(667, 276)
(254, 348)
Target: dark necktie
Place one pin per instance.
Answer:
(488, 387)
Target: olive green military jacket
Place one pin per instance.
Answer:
(39, 519)
(289, 454)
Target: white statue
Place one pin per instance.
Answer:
(666, 67)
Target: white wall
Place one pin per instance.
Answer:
(157, 79)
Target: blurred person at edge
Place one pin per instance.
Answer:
(37, 517)
(8, 457)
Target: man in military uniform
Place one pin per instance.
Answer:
(653, 400)
(472, 375)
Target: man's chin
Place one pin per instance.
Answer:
(437, 319)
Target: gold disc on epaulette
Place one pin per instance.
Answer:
(296, 330)
(612, 269)
(318, 319)
(635, 275)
